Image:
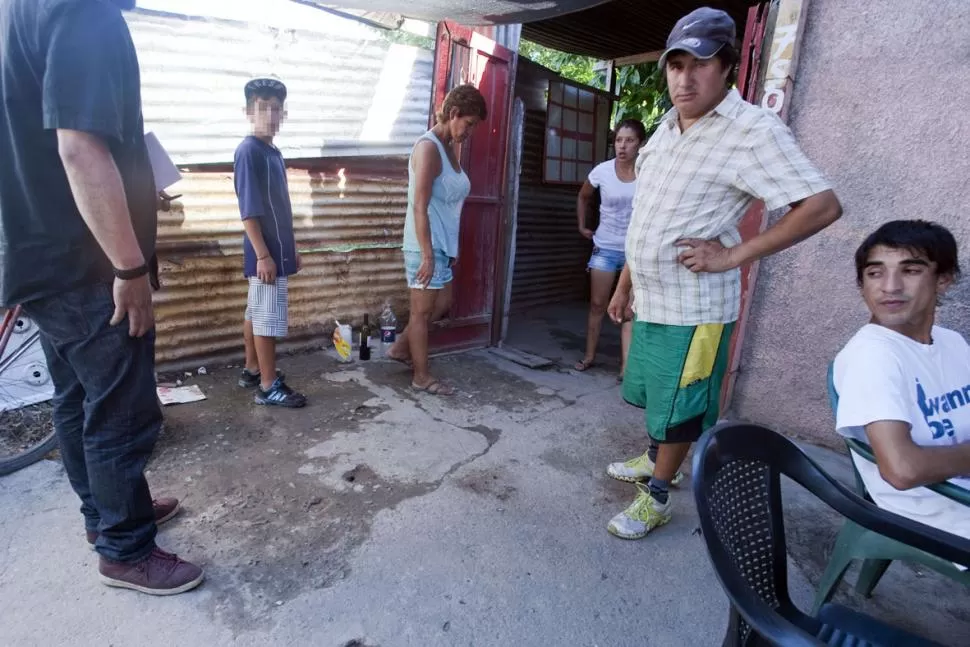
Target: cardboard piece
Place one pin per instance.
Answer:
(164, 170)
(180, 394)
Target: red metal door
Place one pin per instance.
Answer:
(754, 221)
(464, 56)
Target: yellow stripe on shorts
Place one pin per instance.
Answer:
(702, 354)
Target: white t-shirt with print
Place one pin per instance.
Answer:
(616, 206)
(883, 375)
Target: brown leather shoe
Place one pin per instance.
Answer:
(165, 509)
(161, 573)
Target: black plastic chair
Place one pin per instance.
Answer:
(737, 487)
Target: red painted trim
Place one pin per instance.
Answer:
(754, 221)
(490, 66)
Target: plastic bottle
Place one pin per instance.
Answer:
(388, 327)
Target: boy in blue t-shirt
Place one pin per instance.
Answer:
(269, 247)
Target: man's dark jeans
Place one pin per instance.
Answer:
(106, 414)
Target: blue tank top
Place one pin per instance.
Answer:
(448, 195)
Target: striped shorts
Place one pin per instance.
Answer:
(268, 306)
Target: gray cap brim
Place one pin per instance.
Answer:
(696, 47)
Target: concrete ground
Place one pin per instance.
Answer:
(380, 517)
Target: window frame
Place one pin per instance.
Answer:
(565, 141)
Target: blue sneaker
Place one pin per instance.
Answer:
(249, 380)
(280, 395)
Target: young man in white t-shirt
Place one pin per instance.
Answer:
(903, 383)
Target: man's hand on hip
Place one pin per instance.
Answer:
(133, 299)
(705, 255)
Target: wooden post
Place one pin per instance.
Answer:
(611, 78)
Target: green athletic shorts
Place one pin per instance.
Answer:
(675, 373)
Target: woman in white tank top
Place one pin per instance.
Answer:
(437, 188)
(616, 181)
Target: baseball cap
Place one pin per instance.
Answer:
(701, 33)
(266, 84)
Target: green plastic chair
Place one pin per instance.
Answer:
(877, 551)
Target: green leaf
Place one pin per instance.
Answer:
(642, 90)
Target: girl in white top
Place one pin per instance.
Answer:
(616, 181)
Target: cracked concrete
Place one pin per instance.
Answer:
(380, 517)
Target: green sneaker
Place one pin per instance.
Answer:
(643, 515)
(638, 469)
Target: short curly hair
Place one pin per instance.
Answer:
(467, 99)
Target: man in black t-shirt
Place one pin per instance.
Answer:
(77, 250)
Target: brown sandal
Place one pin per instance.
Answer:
(435, 388)
(584, 365)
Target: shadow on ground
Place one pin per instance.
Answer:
(382, 517)
(276, 499)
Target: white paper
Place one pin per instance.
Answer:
(180, 394)
(164, 170)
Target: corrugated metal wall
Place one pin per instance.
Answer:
(351, 92)
(550, 255)
(348, 213)
(356, 105)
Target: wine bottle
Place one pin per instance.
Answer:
(365, 339)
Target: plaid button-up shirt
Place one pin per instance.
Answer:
(699, 184)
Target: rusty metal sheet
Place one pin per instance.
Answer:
(550, 255)
(351, 91)
(349, 219)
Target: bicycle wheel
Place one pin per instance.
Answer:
(10, 464)
(26, 427)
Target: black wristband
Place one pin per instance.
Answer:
(129, 275)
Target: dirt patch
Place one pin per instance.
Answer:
(488, 482)
(568, 460)
(486, 384)
(267, 529)
(23, 428)
(608, 350)
(570, 340)
(264, 532)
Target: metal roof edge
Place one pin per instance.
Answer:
(154, 13)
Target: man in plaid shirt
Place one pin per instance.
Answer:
(711, 157)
